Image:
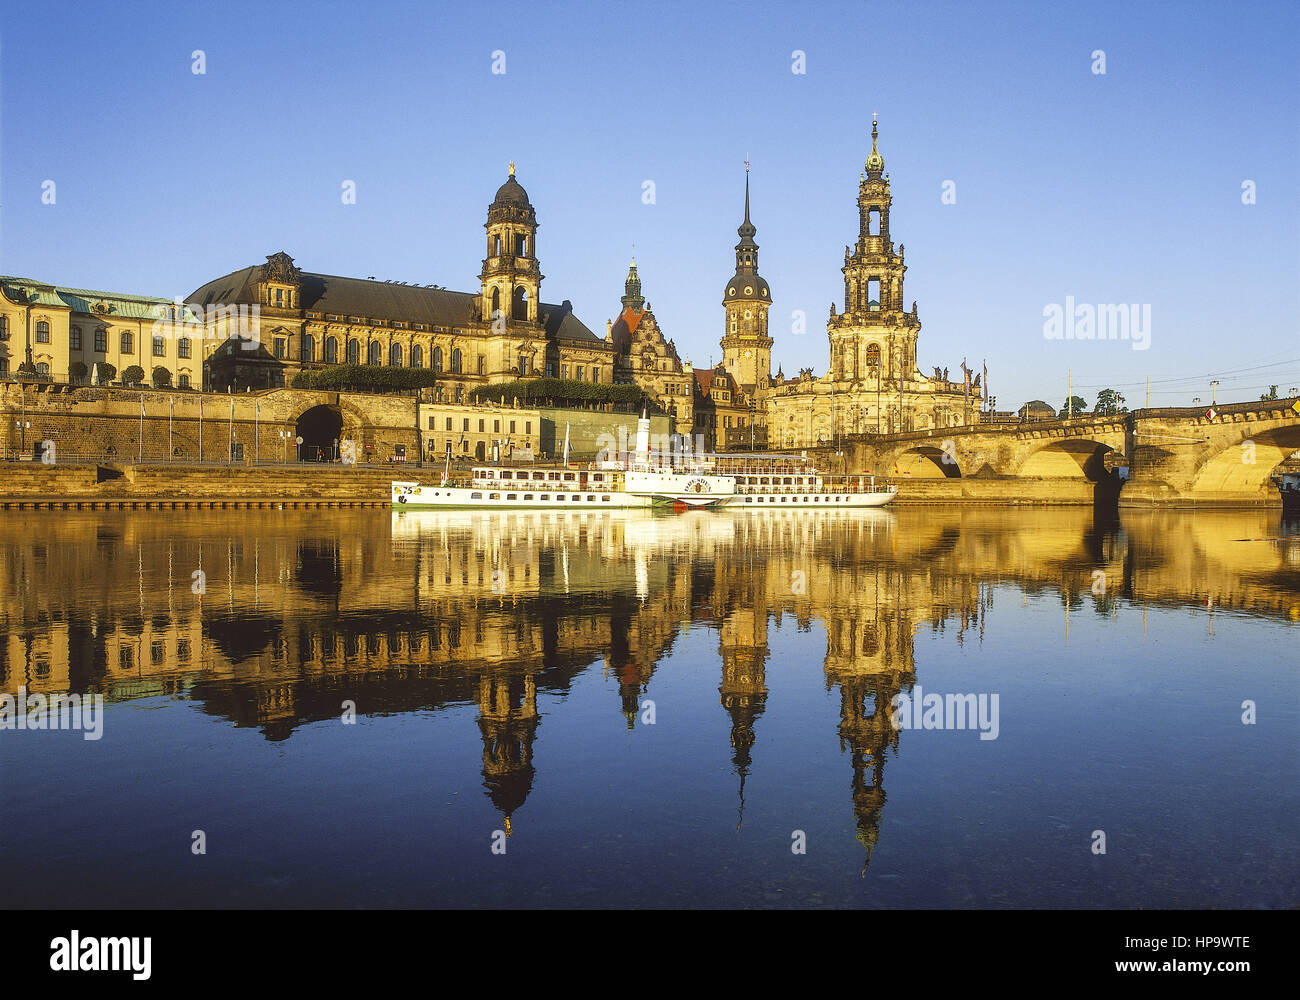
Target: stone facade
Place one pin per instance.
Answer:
(874, 385)
(64, 333)
(309, 321)
(645, 357)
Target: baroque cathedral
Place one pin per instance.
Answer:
(874, 385)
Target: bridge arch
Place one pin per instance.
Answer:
(1245, 465)
(1068, 458)
(927, 462)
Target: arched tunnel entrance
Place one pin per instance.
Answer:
(320, 427)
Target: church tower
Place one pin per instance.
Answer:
(511, 279)
(632, 298)
(746, 347)
(874, 337)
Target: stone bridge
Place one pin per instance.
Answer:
(1171, 455)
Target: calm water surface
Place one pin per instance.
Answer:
(652, 710)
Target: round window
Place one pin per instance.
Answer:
(749, 289)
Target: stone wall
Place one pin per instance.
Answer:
(103, 423)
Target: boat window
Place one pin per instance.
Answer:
(591, 497)
(554, 475)
(545, 496)
(476, 496)
(539, 475)
(605, 498)
(786, 481)
(494, 496)
(597, 477)
(512, 496)
(560, 496)
(505, 474)
(568, 477)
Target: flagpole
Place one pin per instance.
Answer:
(200, 428)
(231, 443)
(257, 417)
(140, 457)
(171, 419)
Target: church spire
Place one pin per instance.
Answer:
(875, 162)
(632, 289)
(746, 249)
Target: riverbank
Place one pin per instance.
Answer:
(30, 485)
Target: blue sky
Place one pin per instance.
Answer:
(1112, 189)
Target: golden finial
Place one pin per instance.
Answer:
(512, 168)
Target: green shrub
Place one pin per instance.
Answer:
(564, 392)
(343, 377)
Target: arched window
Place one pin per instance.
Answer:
(520, 308)
(42, 368)
(184, 382)
(873, 355)
(308, 347)
(496, 246)
(417, 356)
(375, 352)
(460, 394)
(331, 351)
(395, 356)
(496, 302)
(183, 347)
(42, 332)
(128, 344)
(455, 360)
(437, 359)
(354, 351)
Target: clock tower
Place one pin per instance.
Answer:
(746, 347)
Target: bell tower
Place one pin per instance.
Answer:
(746, 347)
(511, 279)
(874, 337)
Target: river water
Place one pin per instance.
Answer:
(360, 709)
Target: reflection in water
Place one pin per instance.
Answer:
(416, 612)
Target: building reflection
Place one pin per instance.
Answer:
(418, 613)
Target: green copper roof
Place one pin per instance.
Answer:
(120, 306)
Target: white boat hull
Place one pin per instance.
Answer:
(418, 496)
(812, 500)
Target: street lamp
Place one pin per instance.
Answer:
(23, 426)
(1196, 400)
(1214, 384)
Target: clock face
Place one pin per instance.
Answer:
(749, 354)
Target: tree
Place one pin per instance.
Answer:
(77, 371)
(162, 378)
(133, 375)
(1077, 404)
(1109, 404)
(107, 372)
(1272, 393)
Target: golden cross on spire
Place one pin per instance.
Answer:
(512, 168)
(746, 163)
